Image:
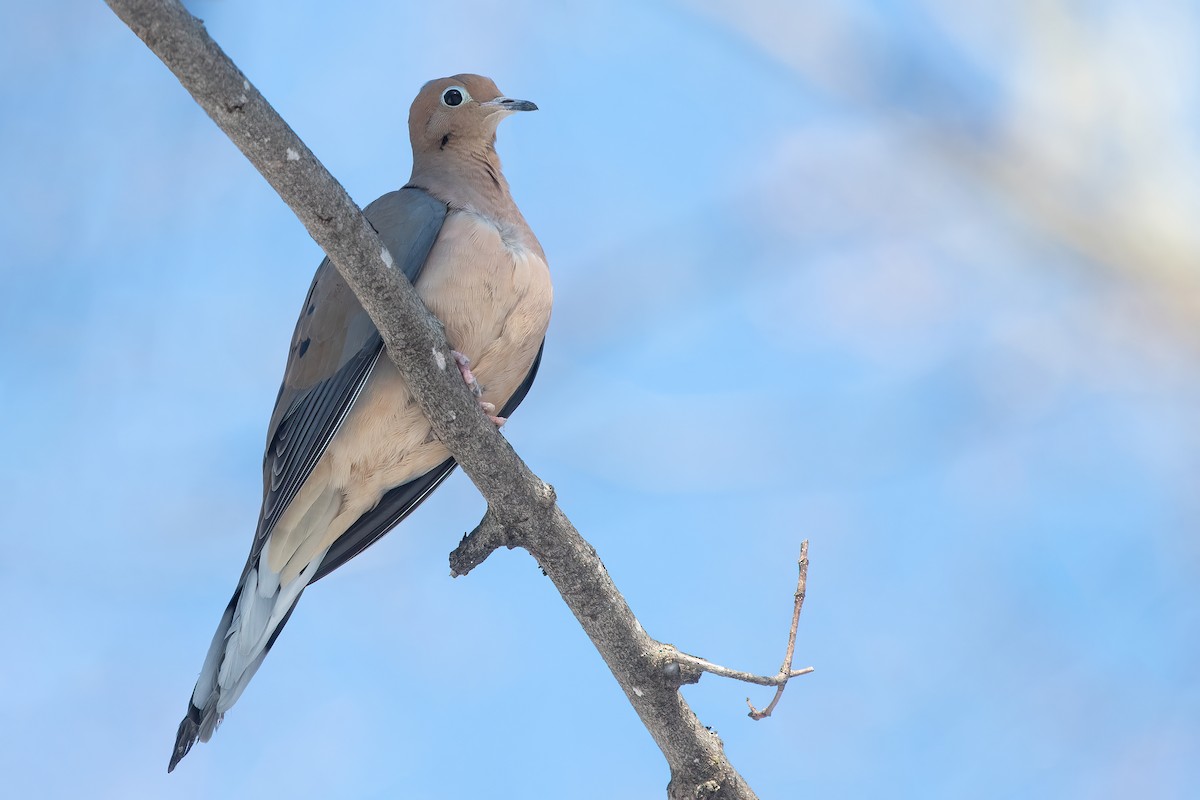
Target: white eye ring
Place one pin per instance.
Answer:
(455, 96)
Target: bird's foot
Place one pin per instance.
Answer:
(464, 367)
(490, 410)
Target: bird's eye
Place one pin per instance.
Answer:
(454, 96)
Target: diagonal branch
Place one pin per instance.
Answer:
(521, 507)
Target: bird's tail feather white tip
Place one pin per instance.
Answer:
(241, 642)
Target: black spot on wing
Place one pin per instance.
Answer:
(408, 221)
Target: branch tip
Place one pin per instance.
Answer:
(785, 672)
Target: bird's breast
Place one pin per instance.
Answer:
(489, 285)
(492, 293)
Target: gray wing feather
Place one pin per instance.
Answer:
(334, 348)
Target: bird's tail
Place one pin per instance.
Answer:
(252, 621)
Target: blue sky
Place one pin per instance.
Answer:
(784, 310)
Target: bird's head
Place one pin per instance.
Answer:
(459, 112)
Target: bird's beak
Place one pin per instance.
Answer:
(508, 104)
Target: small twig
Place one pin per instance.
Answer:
(778, 680)
(785, 672)
(736, 674)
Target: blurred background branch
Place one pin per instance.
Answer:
(1082, 118)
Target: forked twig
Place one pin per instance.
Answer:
(785, 672)
(676, 658)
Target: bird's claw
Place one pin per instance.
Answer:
(490, 410)
(464, 367)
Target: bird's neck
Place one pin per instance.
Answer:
(465, 177)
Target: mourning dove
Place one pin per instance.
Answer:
(349, 453)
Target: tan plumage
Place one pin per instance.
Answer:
(484, 275)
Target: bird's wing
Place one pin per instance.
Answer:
(333, 351)
(334, 348)
(400, 502)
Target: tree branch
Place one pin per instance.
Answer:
(785, 672)
(705, 665)
(521, 507)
